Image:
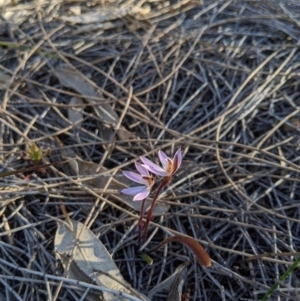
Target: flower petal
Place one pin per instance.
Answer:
(157, 170)
(142, 170)
(177, 160)
(133, 176)
(162, 156)
(164, 159)
(142, 195)
(133, 190)
(145, 161)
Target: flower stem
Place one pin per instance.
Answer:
(140, 222)
(163, 183)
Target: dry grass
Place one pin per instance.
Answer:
(219, 79)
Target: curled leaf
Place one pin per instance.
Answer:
(201, 255)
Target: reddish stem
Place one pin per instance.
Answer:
(163, 183)
(140, 222)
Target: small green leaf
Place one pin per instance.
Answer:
(147, 258)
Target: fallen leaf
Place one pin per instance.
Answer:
(74, 272)
(123, 134)
(109, 118)
(77, 82)
(172, 284)
(75, 113)
(89, 257)
(4, 80)
(295, 121)
(176, 291)
(103, 15)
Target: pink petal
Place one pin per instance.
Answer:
(162, 156)
(177, 160)
(157, 170)
(142, 195)
(142, 170)
(133, 190)
(163, 159)
(133, 176)
(145, 161)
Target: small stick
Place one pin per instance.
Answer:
(259, 256)
(32, 168)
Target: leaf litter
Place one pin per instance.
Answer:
(75, 113)
(89, 257)
(218, 79)
(173, 284)
(108, 117)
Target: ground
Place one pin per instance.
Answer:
(88, 87)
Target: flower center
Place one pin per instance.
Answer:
(169, 168)
(149, 181)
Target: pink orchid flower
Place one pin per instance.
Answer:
(169, 166)
(145, 178)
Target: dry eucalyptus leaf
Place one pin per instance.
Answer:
(108, 116)
(4, 80)
(75, 113)
(176, 291)
(77, 82)
(74, 272)
(295, 121)
(81, 167)
(172, 284)
(123, 134)
(90, 256)
(106, 14)
(92, 27)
